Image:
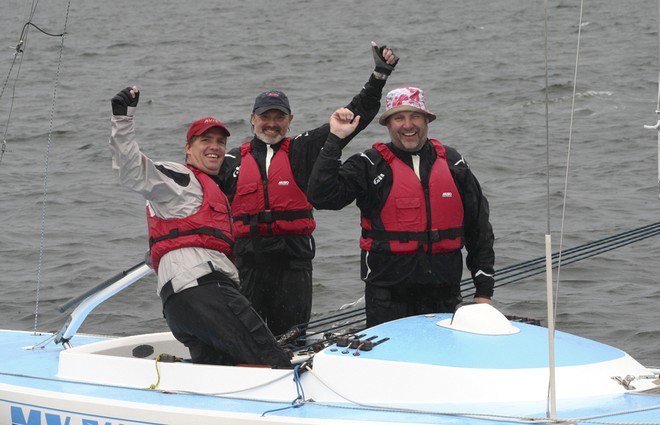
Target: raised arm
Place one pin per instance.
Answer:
(333, 185)
(367, 103)
(136, 170)
(306, 146)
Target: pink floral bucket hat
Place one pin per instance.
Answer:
(405, 99)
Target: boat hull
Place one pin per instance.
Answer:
(418, 371)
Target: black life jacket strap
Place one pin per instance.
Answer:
(175, 233)
(269, 216)
(422, 237)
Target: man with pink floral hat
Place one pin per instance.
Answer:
(420, 205)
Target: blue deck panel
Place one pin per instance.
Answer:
(431, 344)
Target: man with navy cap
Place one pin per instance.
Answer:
(420, 204)
(266, 182)
(190, 240)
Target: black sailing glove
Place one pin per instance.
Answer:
(381, 65)
(123, 103)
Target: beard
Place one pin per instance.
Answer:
(269, 140)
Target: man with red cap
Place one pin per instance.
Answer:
(191, 241)
(420, 205)
(265, 180)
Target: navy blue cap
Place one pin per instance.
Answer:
(272, 99)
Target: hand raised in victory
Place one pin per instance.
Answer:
(384, 58)
(343, 122)
(125, 102)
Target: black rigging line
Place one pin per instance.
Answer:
(20, 48)
(505, 276)
(24, 31)
(536, 266)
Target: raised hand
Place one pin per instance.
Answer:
(125, 102)
(384, 58)
(343, 122)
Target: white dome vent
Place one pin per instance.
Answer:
(479, 318)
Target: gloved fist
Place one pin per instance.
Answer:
(125, 102)
(384, 65)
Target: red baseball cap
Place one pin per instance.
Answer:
(201, 125)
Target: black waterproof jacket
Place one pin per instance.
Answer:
(366, 178)
(303, 151)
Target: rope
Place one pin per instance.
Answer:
(657, 107)
(11, 104)
(170, 391)
(20, 48)
(356, 406)
(488, 416)
(298, 401)
(154, 386)
(331, 320)
(504, 276)
(330, 339)
(45, 174)
(536, 266)
(162, 357)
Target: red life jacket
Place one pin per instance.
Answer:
(407, 223)
(210, 227)
(275, 207)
